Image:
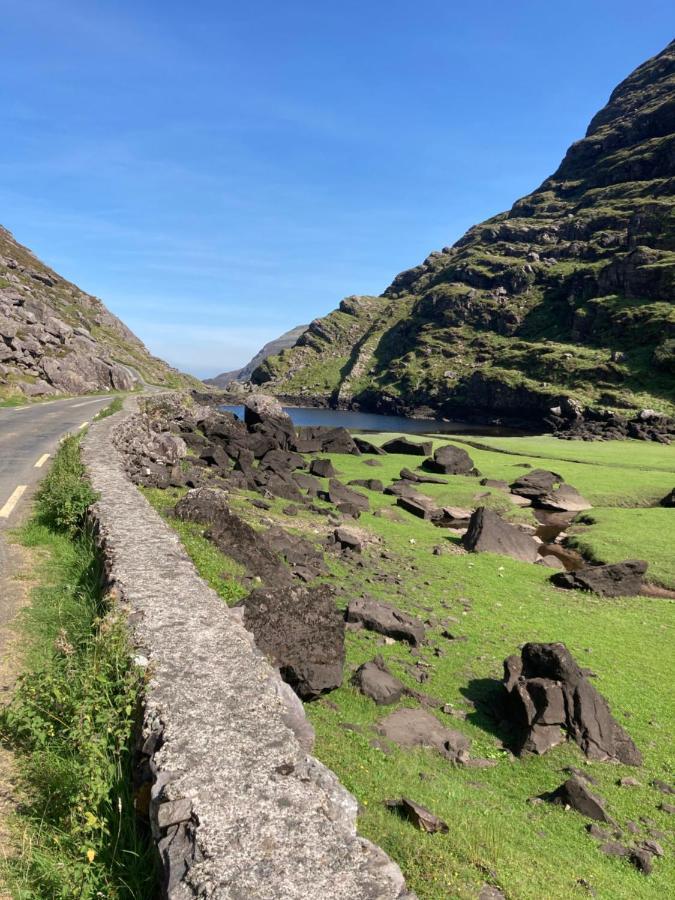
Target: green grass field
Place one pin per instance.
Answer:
(531, 852)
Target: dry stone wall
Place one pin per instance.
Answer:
(239, 809)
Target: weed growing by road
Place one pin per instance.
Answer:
(72, 715)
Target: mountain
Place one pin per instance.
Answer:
(55, 339)
(284, 342)
(569, 294)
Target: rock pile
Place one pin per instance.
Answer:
(574, 423)
(547, 692)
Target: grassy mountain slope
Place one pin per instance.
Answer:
(56, 339)
(570, 293)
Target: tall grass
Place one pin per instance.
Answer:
(72, 714)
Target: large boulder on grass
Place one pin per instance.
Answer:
(450, 460)
(547, 692)
(301, 631)
(386, 619)
(489, 533)
(406, 446)
(624, 579)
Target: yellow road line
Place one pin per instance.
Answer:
(8, 508)
(40, 463)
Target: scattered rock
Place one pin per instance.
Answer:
(368, 447)
(322, 468)
(488, 532)
(348, 540)
(418, 728)
(376, 681)
(339, 493)
(536, 483)
(419, 815)
(575, 794)
(386, 619)
(417, 478)
(623, 579)
(371, 484)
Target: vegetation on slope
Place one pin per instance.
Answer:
(496, 604)
(72, 715)
(56, 339)
(570, 293)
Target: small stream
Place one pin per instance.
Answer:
(551, 525)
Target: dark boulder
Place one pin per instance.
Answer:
(371, 484)
(308, 483)
(401, 489)
(489, 533)
(301, 630)
(536, 483)
(548, 691)
(623, 579)
(348, 540)
(419, 478)
(386, 619)
(449, 460)
(322, 468)
(295, 550)
(421, 817)
(339, 493)
(420, 506)
(669, 499)
(282, 462)
(367, 447)
(376, 681)
(321, 439)
(279, 485)
(404, 445)
(575, 793)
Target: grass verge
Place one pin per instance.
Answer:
(72, 714)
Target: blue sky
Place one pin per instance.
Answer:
(218, 172)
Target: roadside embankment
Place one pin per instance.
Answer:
(237, 807)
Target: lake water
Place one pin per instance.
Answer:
(360, 421)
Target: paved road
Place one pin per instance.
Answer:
(29, 435)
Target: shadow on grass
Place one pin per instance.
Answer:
(490, 710)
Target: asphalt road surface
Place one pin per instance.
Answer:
(29, 436)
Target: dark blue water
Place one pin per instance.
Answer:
(360, 421)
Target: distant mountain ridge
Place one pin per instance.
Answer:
(570, 294)
(283, 342)
(56, 339)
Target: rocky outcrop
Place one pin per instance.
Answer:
(55, 339)
(547, 692)
(565, 298)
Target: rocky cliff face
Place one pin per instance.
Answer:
(55, 339)
(570, 294)
(284, 342)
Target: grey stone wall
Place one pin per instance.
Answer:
(238, 808)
